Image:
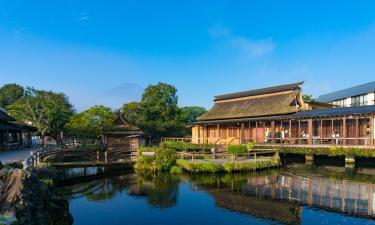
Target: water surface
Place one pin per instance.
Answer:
(293, 195)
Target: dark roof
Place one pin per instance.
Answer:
(16, 127)
(122, 127)
(269, 105)
(334, 112)
(5, 117)
(349, 92)
(268, 90)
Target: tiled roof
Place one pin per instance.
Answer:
(349, 92)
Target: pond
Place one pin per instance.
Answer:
(297, 194)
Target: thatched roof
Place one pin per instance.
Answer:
(270, 104)
(5, 117)
(122, 127)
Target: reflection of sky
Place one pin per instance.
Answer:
(315, 216)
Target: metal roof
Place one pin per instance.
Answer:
(285, 87)
(349, 92)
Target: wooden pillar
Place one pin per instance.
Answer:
(290, 131)
(249, 134)
(256, 132)
(218, 131)
(242, 132)
(333, 139)
(372, 132)
(7, 140)
(310, 131)
(321, 130)
(273, 132)
(356, 130)
(299, 131)
(344, 130)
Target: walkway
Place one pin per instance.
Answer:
(15, 155)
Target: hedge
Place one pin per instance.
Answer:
(181, 146)
(162, 160)
(332, 151)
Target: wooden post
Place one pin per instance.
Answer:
(356, 130)
(290, 132)
(256, 132)
(332, 132)
(372, 132)
(299, 131)
(273, 132)
(344, 130)
(310, 131)
(242, 132)
(250, 133)
(198, 134)
(321, 130)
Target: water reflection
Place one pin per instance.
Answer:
(280, 195)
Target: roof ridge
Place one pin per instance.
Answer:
(259, 91)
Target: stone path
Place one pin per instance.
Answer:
(15, 155)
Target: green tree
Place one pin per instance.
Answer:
(45, 110)
(308, 98)
(10, 93)
(92, 121)
(191, 113)
(159, 112)
(132, 112)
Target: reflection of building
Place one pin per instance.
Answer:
(279, 115)
(262, 208)
(360, 95)
(12, 135)
(123, 135)
(345, 196)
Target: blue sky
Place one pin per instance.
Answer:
(107, 52)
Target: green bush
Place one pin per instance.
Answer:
(250, 146)
(331, 151)
(162, 160)
(251, 166)
(182, 146)
(198, 167)
(176, 170)
(237, 149)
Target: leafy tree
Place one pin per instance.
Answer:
(308, 98)
(92, 121)
(10, 93)
(132, 112)
(159, 112)
(46, 110)
(191, 113)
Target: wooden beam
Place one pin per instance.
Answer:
(249, 133)
(321, 130)
(299, 131)
(332, 132)
(273, 131)
(256, 132)
(310, 131)
(344, 129)
(356, 129)
(242, 132)
(372, 132)
(290, 132)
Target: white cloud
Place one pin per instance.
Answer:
(248, 46)
(84, 16)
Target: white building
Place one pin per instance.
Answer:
(360, 95)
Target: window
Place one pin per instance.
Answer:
(359, 100)
(340, 102)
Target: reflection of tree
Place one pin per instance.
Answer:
(160, 190)
(98, 190)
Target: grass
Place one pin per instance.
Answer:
(331, 151)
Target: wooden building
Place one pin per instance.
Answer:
(123, 135)
(279, 115)
(12, 135)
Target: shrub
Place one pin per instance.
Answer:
(251, 166)
(237, 149)
(250, 146)
(163, 159)
(182, 146)
(176, 170)
(198, 167)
